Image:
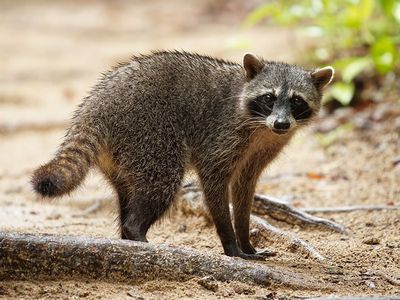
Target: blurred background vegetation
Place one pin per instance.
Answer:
(360, 38)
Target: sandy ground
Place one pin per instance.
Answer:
(51, 52)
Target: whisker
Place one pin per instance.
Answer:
(258, 113)
(230, 97)
(263, 108)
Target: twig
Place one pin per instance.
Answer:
(56, 257)
(353, 298)
(98, 202)
(339, 209)
(388, 278)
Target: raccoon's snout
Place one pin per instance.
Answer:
(281, 126)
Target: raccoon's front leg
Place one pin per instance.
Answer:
(243, 189)
(216, 192)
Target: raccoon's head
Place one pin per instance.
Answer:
(282, 96)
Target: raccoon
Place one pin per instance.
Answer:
(150, 120)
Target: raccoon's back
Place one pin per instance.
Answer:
(164, 89)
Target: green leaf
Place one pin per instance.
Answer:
(391, 8)
(387, 6)
(384, 54)
(342, 92)
(365, 8)
(396, 11)
(354, 67)
(355, 15)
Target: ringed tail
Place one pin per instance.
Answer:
(68, 168)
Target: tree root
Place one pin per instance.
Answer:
(27, 256)
(271, 233)
(282, 211)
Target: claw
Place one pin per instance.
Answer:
(255, 256)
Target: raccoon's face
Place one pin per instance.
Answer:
(282, 96)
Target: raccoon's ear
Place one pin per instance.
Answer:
(322, 77)
(252, 66)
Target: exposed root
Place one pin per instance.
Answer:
(282, 211)
(27, 256)
(271, 233)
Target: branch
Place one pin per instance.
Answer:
(96, 206)
(55, 257)
(339, 209)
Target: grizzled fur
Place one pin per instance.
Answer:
(153, 118)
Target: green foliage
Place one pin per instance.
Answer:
(359, 36)
(343, 91)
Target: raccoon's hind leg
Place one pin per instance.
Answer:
(118, 180)
(149, 200)
(122, 190)
(143, 200)
(151, 183)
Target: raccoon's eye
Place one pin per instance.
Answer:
(262, 105)
(300, 108)
(297, 101)
(268, 98)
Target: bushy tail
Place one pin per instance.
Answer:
(68, 169)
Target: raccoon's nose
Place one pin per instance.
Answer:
(281, 124)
